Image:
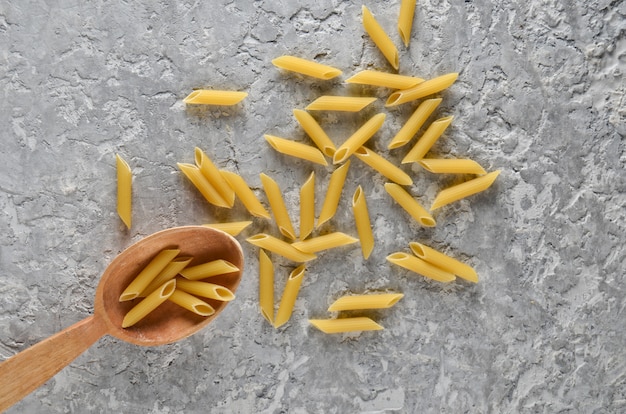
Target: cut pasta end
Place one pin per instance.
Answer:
(287, 232)
(404, 36)
(329, 151)
(128, 296)
(427, 221)
(225, 295)
(340, 156)
(268, 317)
(203, 310)
(394, 99)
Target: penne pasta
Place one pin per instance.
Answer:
(306, 67)
(359, 138)
(209, 269)
(423, 89)
(405, 20)
(245, 194)
(432, 134)
(451, 166)
(383, 166)
(307, 207)
(205, 289)
(315, 131)
(325, 242)
(266, 286)
(331, 326)
(267, 242)
(357, 302)
(296, 149)
(233, 228)
(148, 304)
(340, 103)
(169, 272)
(333, 194)
(290, 294)
(209, 192)
(414, 123)
(124, 190)
(191, 303)
(420, 266)
(213, 176)
(148, 273)
(380, 38)
(363, 224)
(410, 204)
(277, 204)
(387, 80)
(444, 261)
(213, 97)
(465, 189)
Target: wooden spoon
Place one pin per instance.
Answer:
(23, 373)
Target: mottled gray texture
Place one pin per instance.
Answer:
(540, 95)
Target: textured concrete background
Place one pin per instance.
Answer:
(540, 96)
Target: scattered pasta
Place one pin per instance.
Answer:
(124, 190)
(325, 242)
(266, 286)
(306, 67)
(233, 228)
(315, 131)
(444, 261)
(380, 38)
(463, 190)
(245, 194)
(363, 224)
(333, 194)
(425, 88)
(340, 103)
(383, 166)
(452, 166)
(356, 140)
(213, 176)
(427, 140)
(373, 301)
(307, 207)
(414, 123)
(280, 247)
(410, 205)
(405, 20)
(420, 266)
(277, 204)
(214, 97)
(296, 149)
(331, 326)
(199, 181)
(387, 80)
(290, 294)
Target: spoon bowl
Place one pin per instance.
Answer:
(27, 370)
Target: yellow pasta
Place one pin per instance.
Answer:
(191, 303)
(208, 269)
(325, 242)
(331, 326)
(213, 176)
(296, 149)
(417, 265)
(432, 134)
(233, 228)
(267, 242)
(307, 207)
(266, 286)
(333, 194)
(405, 20)
(452, 166)
(383, 166)
(209, 192)
(169, 272)
(340, 103)
(444, 261)
(315, 131)
(290, 294)
(374, 301)
(245, 194)
(359, 138)
(465, 189)
(363, 224)
(205, 289)
(380, 38)
(124, 190)
(277, 204)
(410, 204)
(423, 89)
(149, 303)
(148, 273)
(213, 97)
(387, 80)
(414, 123)
(306, 67)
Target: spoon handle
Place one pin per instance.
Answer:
(26, 371)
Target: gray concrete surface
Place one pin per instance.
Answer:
(540, 96)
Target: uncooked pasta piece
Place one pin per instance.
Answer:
(414, 123)
(277, 204)
(410, 205)
(233, 228)
(383, 166)
(148, 304)
(290, 294)
(463, 190)
(205, 289)
(148, 273)
(199, 181)
(363, 224)
(325, 242)
(209, 269)
(307, 207)
(387, 80)
(405, 20)
(423, 89)
(356, 140)
(371, 301)
(124, 190)
(214, 97)
(331, 326)
(451, 166)
(212, 174)
(306, 67)
(280, 247)
(432, 134)
(333, 193)
(245, 194)
(296, 149)
(315, 132)
(340, 103)
(380, 38)
(191, 303)
(444, 261)
(417, 265)
(169, 272)
(266, 286)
